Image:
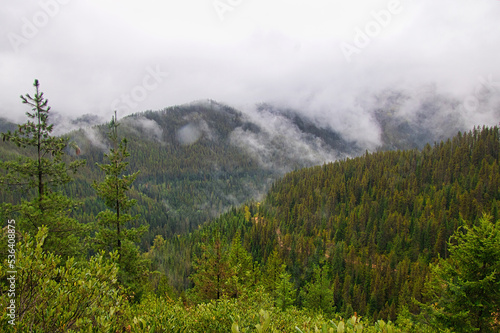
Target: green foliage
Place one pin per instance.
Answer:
(354, 236)
(464, 290)
(156, 314)
(53, 298)
(245, 273)
(380, 219)
(263, 326)
(213, 276)
(273, 269)
(39, 174)
(47, 169)
(180, 186)
(318, 293)
(285, 290)
(53, 210)
(373, 222)
(113, 234)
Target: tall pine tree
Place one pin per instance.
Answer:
(39, 174)
(212, 274)
(114, 232)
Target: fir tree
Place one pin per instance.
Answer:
(285, 291)
(464, 290)
(40, 176)
(242, 265)
(272, 270)
(212, 275)
(114, 233)
(318, 294)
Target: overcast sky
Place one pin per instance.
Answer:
(93, 56)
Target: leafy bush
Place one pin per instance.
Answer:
(77, 296)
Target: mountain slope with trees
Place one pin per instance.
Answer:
(200, 159)
(371, 225)
(401, 241)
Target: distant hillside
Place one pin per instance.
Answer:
(411, 120)
(198, 160)
(372, 223)
(6, 125)
(195, 160)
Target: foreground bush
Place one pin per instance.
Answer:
(77, 296)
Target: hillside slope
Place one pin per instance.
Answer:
(374, 223)
(198, 160)
(195, 161)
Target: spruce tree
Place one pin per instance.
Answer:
(285, 290)
(38, 175)
(114, 232)
(464, 290)
(271, 272)
(243, 267)
(318, 293)
(212, 274)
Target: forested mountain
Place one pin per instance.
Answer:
(198, 160)
(407, 236)
(195, 162)
(370, 225)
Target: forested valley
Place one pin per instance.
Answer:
(108, 240)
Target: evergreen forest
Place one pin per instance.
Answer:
(104, 231)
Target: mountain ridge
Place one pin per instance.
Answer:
(199, 159)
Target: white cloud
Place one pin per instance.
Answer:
(91, 52)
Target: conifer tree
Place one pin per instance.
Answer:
(114, 233)
(242, 265)
(40, 176)
(212, 272)
(464, 290)
(272, 271)
(285, 291)
(318, 293)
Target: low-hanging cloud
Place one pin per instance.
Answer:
(188, 134)
(279, 144)
(95, 138)
(287, 54)
(146, 128)
(196, 127)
